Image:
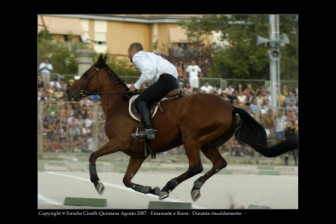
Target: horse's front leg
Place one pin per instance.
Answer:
(132, 168)
(111, 147)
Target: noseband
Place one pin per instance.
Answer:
(83, 93)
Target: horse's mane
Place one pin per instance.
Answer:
(101, 63)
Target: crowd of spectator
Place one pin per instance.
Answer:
(68, 126)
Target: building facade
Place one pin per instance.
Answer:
(113, 33)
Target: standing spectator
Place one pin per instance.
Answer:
(291, 131)
(194, 73)
(181, 73)
(267, 120)
(296, 90)
(40, 83)
(46, 68)
(280, 125)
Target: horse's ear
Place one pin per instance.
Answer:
(105, 58)
(99, 59)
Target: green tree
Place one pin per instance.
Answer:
(62, 55)
(122, 66)
(243, 59)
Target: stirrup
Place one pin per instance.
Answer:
(144, 133)
(139, 134)
(150, 133)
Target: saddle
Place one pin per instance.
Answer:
(134, 113)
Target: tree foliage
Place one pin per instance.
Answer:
(62, 55)
(243, 59)
(122, 67)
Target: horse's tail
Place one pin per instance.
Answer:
(254, 134)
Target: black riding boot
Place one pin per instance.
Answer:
(146, 119)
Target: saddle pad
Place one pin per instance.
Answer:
(137, 116)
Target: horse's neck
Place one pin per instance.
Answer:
(112, 92)
(112, 98)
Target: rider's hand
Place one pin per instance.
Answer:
(133, 89)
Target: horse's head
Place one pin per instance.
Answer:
(88, 83)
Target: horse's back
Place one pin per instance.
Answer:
(210, 104)
(200, 104)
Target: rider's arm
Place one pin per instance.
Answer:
(147, 68)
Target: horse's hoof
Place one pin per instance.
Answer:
(163, 195)
(100, 188)
(157, 191)
(195, 194)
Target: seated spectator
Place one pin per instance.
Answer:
(188, 89)
(291, 116)
(229, 90)
(290, 97)
(241, 98)
(59, 94)
(265, 107)
(206, 88)
(55, 84)
(249, 90)
(260, 98)
(254, 106)
(291, 106)
(284, 90)
(94, 98)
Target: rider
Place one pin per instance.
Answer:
(155, 68)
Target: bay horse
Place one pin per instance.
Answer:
(202, 122)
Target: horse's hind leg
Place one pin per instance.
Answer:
(108, 148)
(218, 163)
(195, 167)
(132, 168)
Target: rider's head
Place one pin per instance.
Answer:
(133, 49)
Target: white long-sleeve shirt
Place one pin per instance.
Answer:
(45, 67)
(151, 66)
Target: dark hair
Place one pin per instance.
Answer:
(136, 46)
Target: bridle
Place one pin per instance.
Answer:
(84, 93)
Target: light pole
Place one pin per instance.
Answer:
(274, 41)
